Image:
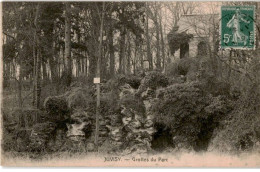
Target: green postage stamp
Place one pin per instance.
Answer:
(237, 27)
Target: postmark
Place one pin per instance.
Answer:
(237, 27)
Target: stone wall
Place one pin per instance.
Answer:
(193, 47)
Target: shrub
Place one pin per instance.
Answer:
(78, 97)
(119, 80)
(240, 130)
(18, 140)
(187, 67)
(132, 102)
(188, 112)
(172, 68)
(56, 105)
(26, 117)
(40, 135)
(153, 80)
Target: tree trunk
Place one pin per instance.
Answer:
(59, 61)
(122, 51)
(77, 67)
(53, 69)
(83, 64)
(162, 43)
(34, 69)
(128, 64)
(86, 64)
(111, 52)
(157, 28)
(158, 58)
(79, 59)
(36, 89)
(148, 51)
(92, 43)
(38, 77)
(68, 42)
(141, 58)
(20, 80)
(64, 69)
(103, 67)
(53, 61)
(176, 13)
(6, 77)
(135, 55)
(44, 73)
(98, 76)
(92, 60)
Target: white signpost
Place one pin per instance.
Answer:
(96, 80)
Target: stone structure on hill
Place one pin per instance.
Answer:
(202, 27)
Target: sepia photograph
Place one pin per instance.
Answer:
(130, 83)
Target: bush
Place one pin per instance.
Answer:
(78, 97)
(153, 80)
(182, 66)
(26, 117)
(240, 130)
(189, 113)
(132, 102)
(55, 104)
(172, 68)
(119, 80)
(18, 140)
(133, 81)
(40, 135)
(187, 66)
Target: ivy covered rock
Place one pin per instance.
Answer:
(138, 130)
(118, 81)
(177, 39)
(126, 90)
(152, 80)
(130, 129)
(80, 125)
(76, 97)
(189, 113)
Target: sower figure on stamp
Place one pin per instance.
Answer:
(234, 23)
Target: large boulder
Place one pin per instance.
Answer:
(79, 125)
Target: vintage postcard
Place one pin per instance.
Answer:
(130, 83)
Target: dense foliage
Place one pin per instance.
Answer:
(177, 39)
(240, 131)
(188, 111)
